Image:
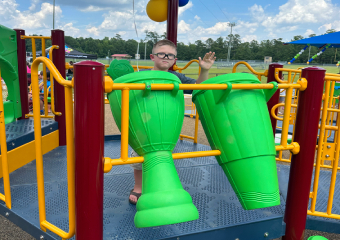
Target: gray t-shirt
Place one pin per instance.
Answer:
(184, 79)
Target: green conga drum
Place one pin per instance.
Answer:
(238, 124)
(155, 123)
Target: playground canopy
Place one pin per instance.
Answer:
(71, 53)
(319, 41)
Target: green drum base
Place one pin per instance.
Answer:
(166, 216)
(163, 200)
(254, 192)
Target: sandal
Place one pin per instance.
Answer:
(136, 195)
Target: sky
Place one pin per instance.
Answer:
(198, 20)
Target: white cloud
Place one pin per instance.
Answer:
(181, 10)
(92, 8)
(308, 32)
(34, 4)
(183, 27)
(70, 30)
(197, 18)
(40, 19)
(297, 14)
(249, 38)
(245, 27)
(325, 27)
(93, 30)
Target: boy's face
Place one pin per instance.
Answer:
(163, 64)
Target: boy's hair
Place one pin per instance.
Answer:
(163, 43)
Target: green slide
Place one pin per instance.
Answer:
(9, 72)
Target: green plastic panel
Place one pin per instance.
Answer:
(9, 71)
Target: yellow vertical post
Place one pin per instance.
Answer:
(34, 51)
(335, 163)
(286, 116)
(7, 187)
(70, 158)
(125, 125)
(320, 146)
(196, 128)
(289, 77)
(45, 75)
(38, 141)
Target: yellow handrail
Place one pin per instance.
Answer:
(7, 187)
(176, 68)
(110, 86)
(265, 73)
(52, 85)
(125, 88)
(44, 224)
(278, 70)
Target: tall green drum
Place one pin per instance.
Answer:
(155, 122)
(238, 124)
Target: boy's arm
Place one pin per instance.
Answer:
(205, 64)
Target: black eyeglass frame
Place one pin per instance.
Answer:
(165, 55)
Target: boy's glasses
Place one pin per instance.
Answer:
(163, 55)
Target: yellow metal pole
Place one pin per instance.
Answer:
(196, 128)
(335, 163)
(125, 125)
(34, 51)
(43, 53)
(52, 83)
(70, 159)
(286, 116)
(38, 140)
(174, 156)
(320, 144)
(3, 142)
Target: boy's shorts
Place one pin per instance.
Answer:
(136, 166)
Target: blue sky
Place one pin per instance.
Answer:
(198, 20)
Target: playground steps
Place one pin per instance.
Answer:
(221, 215)
(21, 144)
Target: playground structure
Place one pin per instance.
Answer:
(35, 198)
(89, 70)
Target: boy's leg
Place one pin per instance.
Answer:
(138, 184)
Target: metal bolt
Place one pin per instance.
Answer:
(17, 101)
(328, 146)
(50, 128)
(13, 143)
(237, 239)
(7, 214)
(42, 237)
(266, 234)
(93, 68)
(327, 156)
(148, 86)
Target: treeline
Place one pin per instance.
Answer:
(253, 50)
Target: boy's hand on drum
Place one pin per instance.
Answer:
(207, 61)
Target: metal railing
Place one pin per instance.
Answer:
(125, 88)
(43, 53)
(44, 224)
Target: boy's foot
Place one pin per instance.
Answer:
(134, 196)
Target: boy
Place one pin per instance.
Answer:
(164, 56)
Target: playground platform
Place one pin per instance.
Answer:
(221, 214)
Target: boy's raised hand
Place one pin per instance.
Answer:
(207, 61)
